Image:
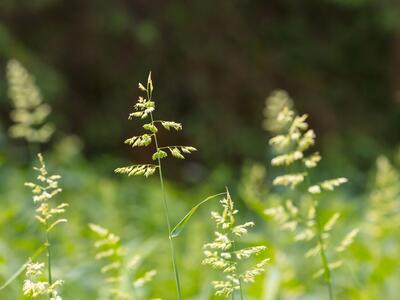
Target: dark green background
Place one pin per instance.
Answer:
(213, 64)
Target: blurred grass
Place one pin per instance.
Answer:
(131, 207)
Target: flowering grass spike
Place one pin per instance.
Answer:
(115, 266)
(292, 141)
(221, 254)
(144, 109)
(48, 215)
(30, 113)
(383, 215)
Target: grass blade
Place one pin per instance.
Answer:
(179, 227)
(22, 268)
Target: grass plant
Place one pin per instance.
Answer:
(144, 110)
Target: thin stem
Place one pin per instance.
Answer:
(241, 290)
(33, 150)
(167, 147)
(166, 211)
(49, 262)
(324, 260)
(236, 273)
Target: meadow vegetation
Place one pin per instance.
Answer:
(92, 234)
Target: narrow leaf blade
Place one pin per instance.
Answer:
(22, 268)
(179, 227)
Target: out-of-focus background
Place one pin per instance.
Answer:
(213, 64)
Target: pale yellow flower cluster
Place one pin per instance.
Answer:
(221, 253)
